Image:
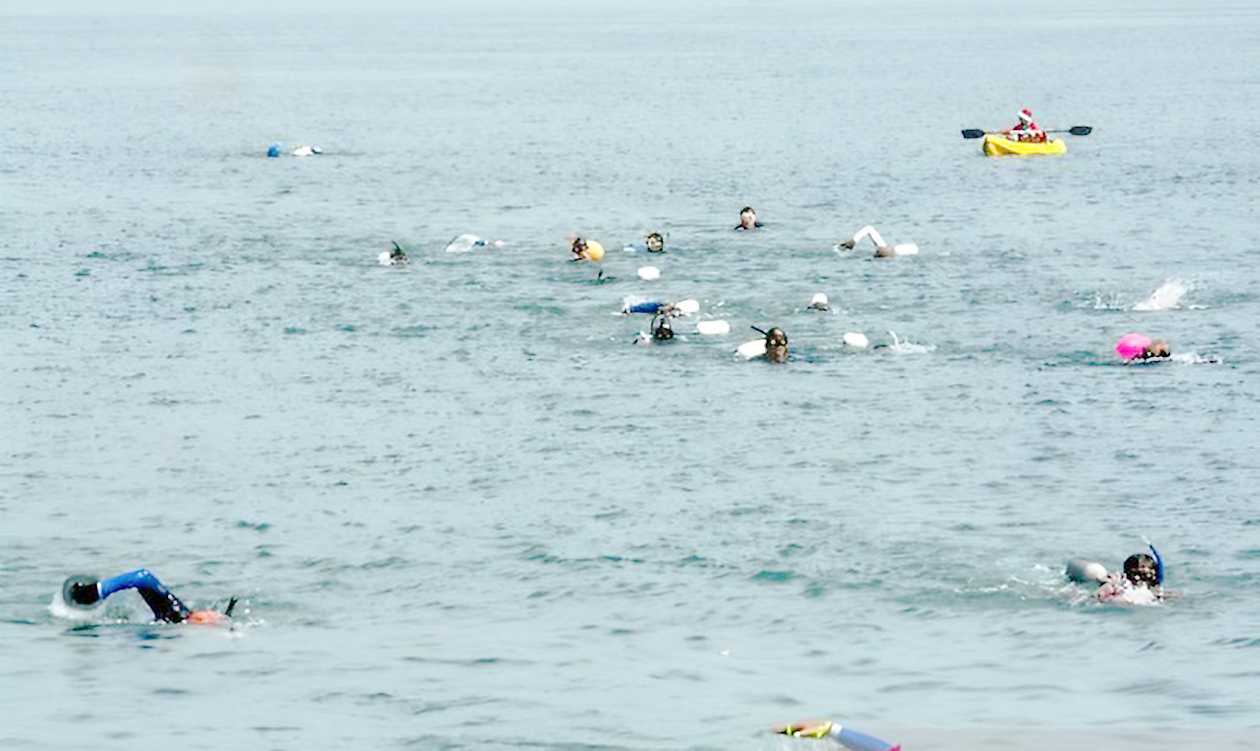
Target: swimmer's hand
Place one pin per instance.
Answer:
(806, 729)
(847, 245)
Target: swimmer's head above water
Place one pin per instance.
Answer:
(584, 250)
(748, 219)
(1158, 349)
(655, 243)
(397, 255)
(1141, 570)
(776, 345)
(662, 331)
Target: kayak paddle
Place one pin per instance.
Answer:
(1077, 130)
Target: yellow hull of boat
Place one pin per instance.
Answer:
(1001, 146)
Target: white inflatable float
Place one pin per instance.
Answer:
(713, 328)
(856, 340)
(752, 349)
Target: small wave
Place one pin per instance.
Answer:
(1167, 297)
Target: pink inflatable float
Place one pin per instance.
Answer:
(1132, 346)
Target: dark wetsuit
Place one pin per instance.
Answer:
(164, 604)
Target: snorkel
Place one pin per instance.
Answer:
(1159, 564)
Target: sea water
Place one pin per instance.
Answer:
(463, 511)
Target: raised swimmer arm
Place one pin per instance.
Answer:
(164, 604)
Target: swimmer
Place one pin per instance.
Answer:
(882, 249)
(586, 251)
(1139, 347)
(776, 345)
(655, 243)
(832, 731)
(662, 331)
(1141, 582)
(166, 607)
(397, 256)
(747, 219)
(819, 302)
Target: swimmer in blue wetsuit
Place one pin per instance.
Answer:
(86, 592)
(847, 738)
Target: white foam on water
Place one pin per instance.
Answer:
(1111, 301)
(59, 609)
(464, 243)
(1167, 297)
(1193, 358)
(907, 347)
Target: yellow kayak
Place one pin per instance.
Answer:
(995, 145)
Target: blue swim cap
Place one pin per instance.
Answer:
(273, 151)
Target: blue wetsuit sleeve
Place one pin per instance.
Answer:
(856, 741)
(164, 604)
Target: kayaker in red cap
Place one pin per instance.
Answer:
(1027, 129)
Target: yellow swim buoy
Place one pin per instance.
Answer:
(594, 251)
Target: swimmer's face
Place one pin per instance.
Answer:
(748, 219)
(655, 243)
(1159, 348)
(776, 345)
(1140, 569)
(579, 247)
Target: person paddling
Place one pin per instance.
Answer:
(166, 607)
(1026, 129)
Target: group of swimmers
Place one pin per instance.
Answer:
(1139, 581)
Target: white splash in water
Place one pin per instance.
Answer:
(1109, 302)
(907, 347)
(1193, 358)
(1167, 297)
(60, 609)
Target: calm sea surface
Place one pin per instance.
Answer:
(463, 511)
